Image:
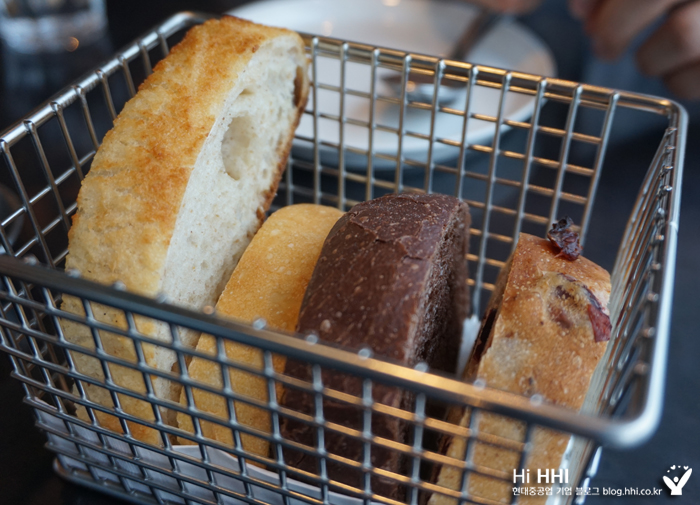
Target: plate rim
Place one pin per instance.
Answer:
(522, 113)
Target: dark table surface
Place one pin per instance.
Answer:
(26, 475)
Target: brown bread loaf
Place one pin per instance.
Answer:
(392, 276)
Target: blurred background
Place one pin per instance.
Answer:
(31, 75)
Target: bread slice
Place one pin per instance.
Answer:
(392, 277)
(179, 187)
(269, 283)
(544, 334)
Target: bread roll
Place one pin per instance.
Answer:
(269, 283)
(179, 187)
(544, 332)
(392, 276)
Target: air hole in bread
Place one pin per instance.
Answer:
(238, 145)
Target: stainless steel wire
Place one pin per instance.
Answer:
(34, 283)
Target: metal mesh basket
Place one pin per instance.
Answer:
(46, 155)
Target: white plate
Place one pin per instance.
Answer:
(419, 26)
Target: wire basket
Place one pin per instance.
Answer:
(46, 155)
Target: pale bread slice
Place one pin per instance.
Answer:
(179, 187)
(537, 338)
(269, 283)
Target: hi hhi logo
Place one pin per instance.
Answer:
(546, 476)
(676, 485)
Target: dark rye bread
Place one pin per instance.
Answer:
(392, 276)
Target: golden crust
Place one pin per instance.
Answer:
(269, 282)
(115, 345)
(129, 202)
(543, 343)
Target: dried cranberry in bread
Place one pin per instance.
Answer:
(545, 330)
(392, 277)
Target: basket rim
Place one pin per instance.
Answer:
(621, 432)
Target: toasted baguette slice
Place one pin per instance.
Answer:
(179, 187)
(269, 283)
(543, 333)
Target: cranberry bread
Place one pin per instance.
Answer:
(179, 187)
(269, 283)
(545, 330)
(392, 277)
